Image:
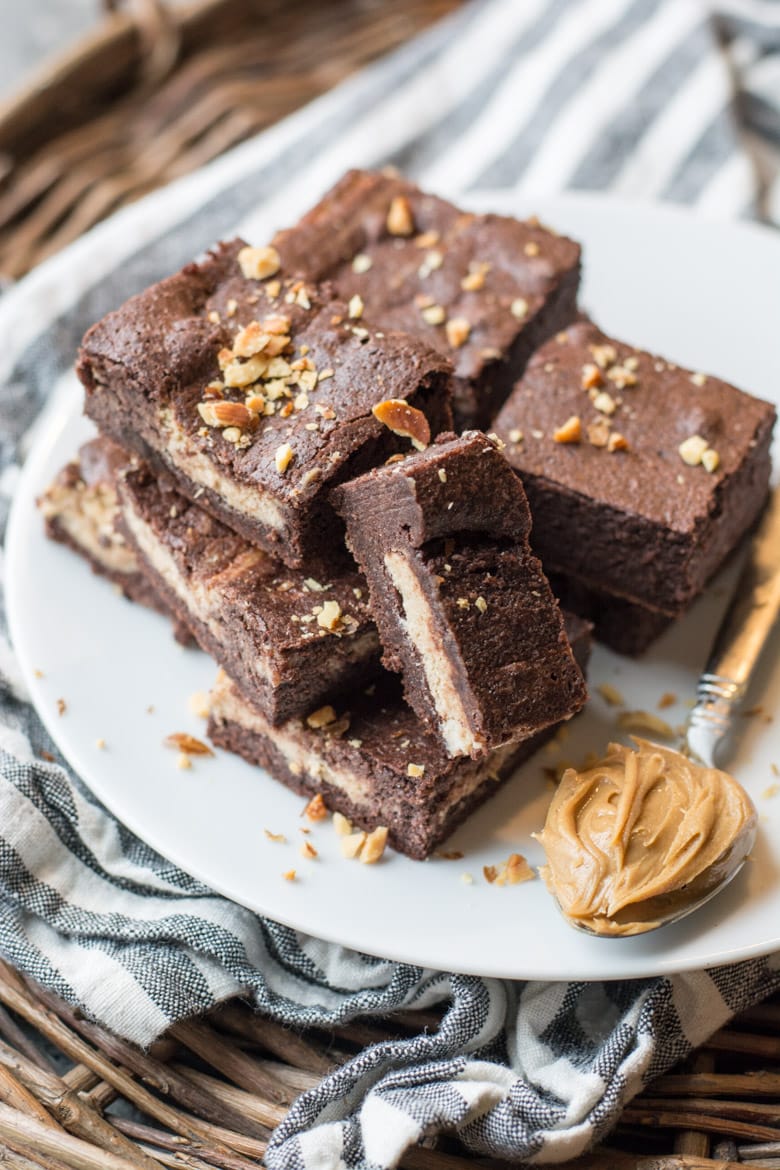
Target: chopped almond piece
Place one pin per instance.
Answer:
(591, 376)
(415, 770)
(617, 442)
(342, 826)
(329, 617)
(374, 846)
(404, 420)
(321, 718)
(315, 810)
(351, 846)
(400, 220)
(188, 743)
(457, 330)
(308, 851)
(611, 695)
(283, 457)
(279, 838)
(570, 432)
(259, 263)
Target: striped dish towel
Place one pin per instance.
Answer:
(664, 99)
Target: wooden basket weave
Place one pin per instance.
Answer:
(154, 93)
(149, 96)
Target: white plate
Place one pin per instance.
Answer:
(704, 295)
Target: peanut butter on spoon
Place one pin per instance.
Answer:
(641, 837)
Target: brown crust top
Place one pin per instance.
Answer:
(164, 344)
(474, 267)
(656, 409)
(458, 484)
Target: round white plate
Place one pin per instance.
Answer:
(703, 294)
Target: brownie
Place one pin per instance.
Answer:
(485, 290)
(464, 611)
(641, 476)
(255, 393)
(373, 761)
(286, 638)
(624, 626)
(80, 509)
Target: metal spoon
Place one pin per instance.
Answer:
(738, 644)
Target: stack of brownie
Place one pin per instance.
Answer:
(290, 465)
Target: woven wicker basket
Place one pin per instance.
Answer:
(148, 96)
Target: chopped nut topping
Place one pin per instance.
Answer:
(415, 770)
(100, 743)
(199, 704)
(515, 435)
(342, 826)
(432, 262)
(442, 475)
(259, 263)
(308, 851)
(481, 604)
(183, 762)
(62, 706)
(232, 434)
(374, 846)
(279, 838)
(570, 432)
(433, 315)
(356, 306)
(351, 845)
(631, 362)
(400, 220)
(531, 248)
(187, 743)
(710, 460)
(621, 377)
(321, 717)
(283, 457)
(611, 695)
(698, 379)
(605, 403)
(329, 617)
(490, 872)
(463, 603)
(361, 263)
(692, 449)
(226, 414)
(603, 355)
(617, 442)
(598, 432)
(404, 420)
(289, 875)
(591, 376)
(315, 810)
(519, 308)
(427, 239)
(645, 722)
(457, 330)
(474, 280)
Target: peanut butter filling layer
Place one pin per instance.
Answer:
(641, 836)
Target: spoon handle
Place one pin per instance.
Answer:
(740, 638)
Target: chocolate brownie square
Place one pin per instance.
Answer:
(254, 392)
(485, 290)
(287, 638)
(81, 508)
(463, 608)
(372, 760)
(641, 476)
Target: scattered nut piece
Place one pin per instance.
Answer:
(374, 846)
(415, 770)
(457, 330)
(342, 826)
(315, 810)
(645, 721)
(591, 376)
(187, 743)
(225, 414)
(259, 263)
(329, 617)
(62, 706)
(473, 281)
(531, 248)
(183, 762)
(308, 851)
(355, 307)
(515, 870)
(519, 308)
(463, 603)
(603, 355)
(598, 432)
(283, 457)
(490, 872)
(617, 442)
(698, 379)
(515, 435)
(692, 449)
(361, 263)
(433, 314)
(605, 403)
(611, 695)
(404, 420)
(320, 718)
(351, 846)
(101, 744)
(400, 220)
(710, 460)
(279, 838)
(289, 875)
(442, 475)
(427, 239)
(467, 879)
(668, 699)
(621, 377)
(570, 432)
(481, 604)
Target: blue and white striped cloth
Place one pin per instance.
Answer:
(670, 99)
